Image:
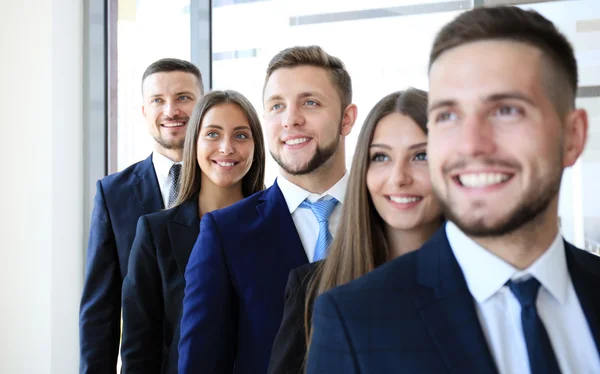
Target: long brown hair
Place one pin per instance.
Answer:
(360, 244)
(253, 181)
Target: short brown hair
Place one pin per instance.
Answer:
(165, 65)
(525, 26)
(254, 180)
(314, 56)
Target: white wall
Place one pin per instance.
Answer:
(41, 254)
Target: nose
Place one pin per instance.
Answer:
(226, 146)
(292, 117)
(401, 174)
(477, 137)
(171, 109)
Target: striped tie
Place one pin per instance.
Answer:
(322, 210)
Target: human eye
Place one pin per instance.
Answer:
(276, 106)
(445, 116)
(379, 157)
(421, 156)
(184, 98)
(508, 110)
(311, 103)
(156, 100)
(212, 134)
(242, 136)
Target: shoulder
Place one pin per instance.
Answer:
(305, 272)
(584, 259)
(123, 177)
(397, 277)
(240, 209)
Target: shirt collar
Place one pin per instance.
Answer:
(294, 195)
(486, 273)
(162, 165)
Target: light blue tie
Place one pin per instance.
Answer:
(322, 210)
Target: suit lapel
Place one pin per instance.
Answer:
(183, 231)
(284, 237)
(584, 270)
(146, 187)
(448, 309)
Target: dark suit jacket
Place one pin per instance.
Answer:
(153, 289)
(289, 348)
(121, 199)
(235, 285)
(415, 314)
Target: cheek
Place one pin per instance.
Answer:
(375, 180)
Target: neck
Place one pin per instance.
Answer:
(319, 180)
(404, 241)
(522, 247)
(213, 197)
(175, 155)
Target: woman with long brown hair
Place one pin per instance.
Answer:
(389, 210)
(223, 162)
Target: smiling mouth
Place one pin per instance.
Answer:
(225, 163)
(173, 125)
(296, 141)
(404, 200)
(482, 180)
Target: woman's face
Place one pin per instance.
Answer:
(398, 175)
(225, 145)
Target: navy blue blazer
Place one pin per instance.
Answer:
(415, 314)
(120, 200)
(153, 289)
(235, 285)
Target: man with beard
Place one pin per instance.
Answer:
(239, 266)
(170, 89)
(497, 290)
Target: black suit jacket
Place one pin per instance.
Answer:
(289, 348)
(120, 200)
(415, 314)
(153, 289)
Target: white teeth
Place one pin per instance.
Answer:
(225, 163)
(405, 200)
(177, 124)
(296, 141)
(480, 180)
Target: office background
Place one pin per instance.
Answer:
(71, 74)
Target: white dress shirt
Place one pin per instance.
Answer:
(499, 310)
(304, 219)
(162, 166)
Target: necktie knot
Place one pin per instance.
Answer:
(526, 292)
(322, 208)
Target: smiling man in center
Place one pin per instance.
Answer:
(238, 269)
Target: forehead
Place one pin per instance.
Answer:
(224, 115)
(165, 83)
(482, 68)
(398, 130)
(291, 82)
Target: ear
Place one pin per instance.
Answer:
(575, 136)
(143, 110)
(348, 119)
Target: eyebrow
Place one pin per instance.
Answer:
(301, 95)
(243, 127)
(513, 95)
(176, 94)
(385, 146)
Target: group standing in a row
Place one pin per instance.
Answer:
(439, 251)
